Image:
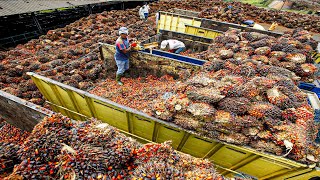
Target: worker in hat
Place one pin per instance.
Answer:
(122, 54)
(173, 46)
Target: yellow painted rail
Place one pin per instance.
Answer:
(203, 32)
(230, 159)
(316, 57)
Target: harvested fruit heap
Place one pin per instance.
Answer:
(242, 11)
(248, 103)
(11, 140)
(292, 51)
(56, 54)
(237, 101)
(58, 148)
(136, 92)
(64, 54)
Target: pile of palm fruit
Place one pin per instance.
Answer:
(59, 148)
(292, 50)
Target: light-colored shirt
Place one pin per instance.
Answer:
(145, 9)
(258, 26)
(175, 44)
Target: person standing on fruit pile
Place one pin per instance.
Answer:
(122, 54)
(173, 46)
(144, 11)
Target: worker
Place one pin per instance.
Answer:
(122, 54)
(173, 46)
(144, 12)
(141, 14)
(229, 7)
(252, 24)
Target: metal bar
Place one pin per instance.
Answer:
(246, 161)
(76, 106)
(183, 141)
(54, 88)
(278, 173)
(213, 150)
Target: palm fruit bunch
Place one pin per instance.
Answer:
(201, 80)
(263, 51)
(237, 105)
(267, 146)
(287, 51)
(263, 109)
(244, 70)
(92, 150)
(187, 122)
(201, 111)
(205, 94)
(160, 161)
(10, 142)
(39, 152)
(278, 98)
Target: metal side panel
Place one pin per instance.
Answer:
(316, 57)
(203, 32)
(21, 113)
(300, 174)
(110, 114)
(230, 159)
(176, 22)
(158, 63)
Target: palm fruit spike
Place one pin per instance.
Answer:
(223, 117)
(248, 90)
(215, 65)
(160, 111)
(241, 56)
(201, 80)
(225, 54)
(262, 109)
(304, 113)
(263, 82)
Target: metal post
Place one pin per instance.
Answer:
(89, 9)
(36, 22)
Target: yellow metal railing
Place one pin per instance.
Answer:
(203, 32)
(316, 57)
